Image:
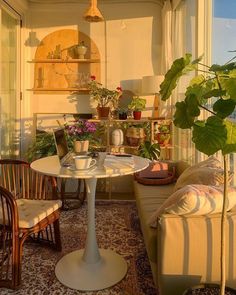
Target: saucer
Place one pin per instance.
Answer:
(73, 168)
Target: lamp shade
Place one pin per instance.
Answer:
(151, 84)
(93, 14)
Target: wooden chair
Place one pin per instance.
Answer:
(28, 208)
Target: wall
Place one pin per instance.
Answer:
(128, 41)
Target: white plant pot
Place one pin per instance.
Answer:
(81, 146)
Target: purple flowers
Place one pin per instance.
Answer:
(81, 130)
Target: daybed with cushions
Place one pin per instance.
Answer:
(184, 246)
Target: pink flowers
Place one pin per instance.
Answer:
(81, 130)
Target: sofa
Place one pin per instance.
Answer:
(183, 251)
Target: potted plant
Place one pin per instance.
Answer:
(149, 150)
(43, 146)
(217, 130)
(122, 113)
(80, 132)
(137, 105)
(163, 134)
(104, 97)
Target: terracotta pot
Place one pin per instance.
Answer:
(137, 115)
(163, 138)
(103, 112)
(81, 146)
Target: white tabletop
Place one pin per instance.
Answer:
(114, 166)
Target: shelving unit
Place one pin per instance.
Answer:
(64, 61)
(153, 124)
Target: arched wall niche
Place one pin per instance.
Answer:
(57, 63)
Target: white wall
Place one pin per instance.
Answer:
(128, 41)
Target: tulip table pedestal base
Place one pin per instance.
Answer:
(73, 272)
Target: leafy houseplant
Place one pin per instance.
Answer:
(104, 97)
(137, 105)
(217, 132)
(43, 146)
(149, 150)
(122, 113)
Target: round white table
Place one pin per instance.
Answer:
(91, 268)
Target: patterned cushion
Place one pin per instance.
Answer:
(195, 200)
(33, 211)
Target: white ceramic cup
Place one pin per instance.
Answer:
(101, 158)
(83, 162)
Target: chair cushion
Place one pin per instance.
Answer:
(32, 212)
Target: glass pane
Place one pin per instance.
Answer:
(223, 30)
(8, 101)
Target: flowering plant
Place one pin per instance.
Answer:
(102, 95)
(80, 130)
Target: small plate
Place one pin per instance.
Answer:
(72, 167)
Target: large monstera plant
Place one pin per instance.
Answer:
(214, 92)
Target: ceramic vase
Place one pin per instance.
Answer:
(117, 137)
(81, 146)
(81, 49)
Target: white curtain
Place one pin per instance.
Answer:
(175, 43)
(166, 52)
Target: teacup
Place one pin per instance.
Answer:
(83, 162)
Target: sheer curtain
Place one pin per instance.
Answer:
(178, 38)
(9, 131)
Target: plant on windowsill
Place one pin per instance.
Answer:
(218, 131)
(104, 97)
(137, 105)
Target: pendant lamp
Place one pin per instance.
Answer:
(93, 14)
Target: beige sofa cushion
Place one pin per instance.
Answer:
(33, 211)
(148, 199)
(195, 200)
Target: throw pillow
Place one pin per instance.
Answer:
(195, 200)
(201, 175)
(155, 170)
(156, 173)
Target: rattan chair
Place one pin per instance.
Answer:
(28, 209)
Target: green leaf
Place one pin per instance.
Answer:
(179, 67)
(230, 146)
(182, 118)
(224, 107)
(192, 106)
(203, 89)
(223, 68)
(230, 86)
(214, 93)
(211, 136)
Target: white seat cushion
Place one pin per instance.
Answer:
(32, 212)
